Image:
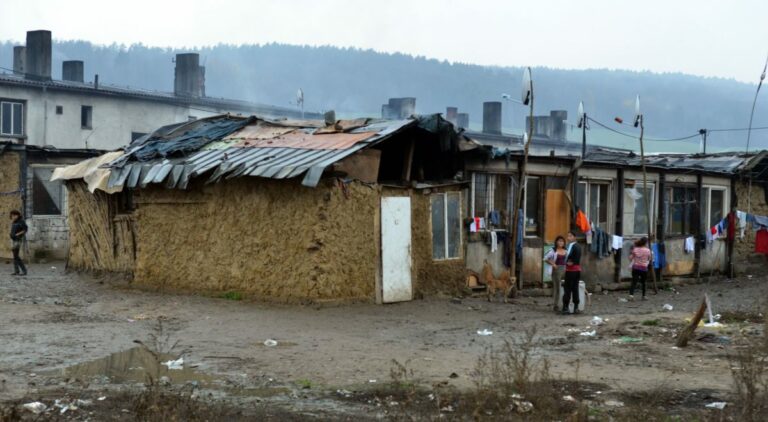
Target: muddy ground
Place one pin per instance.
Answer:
(68, 336)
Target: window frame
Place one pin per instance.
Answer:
(692, 206)
(490, 194)
(708, 198)
(608, 183)
(539, 226)
(13, 113)
(62, 193)
(446, 227)
(651, 205)
(89, 123)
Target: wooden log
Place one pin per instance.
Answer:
(687, 333)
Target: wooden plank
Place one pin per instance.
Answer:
(558, 214)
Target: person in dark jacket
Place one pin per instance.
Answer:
(572, 275)
(18, 231)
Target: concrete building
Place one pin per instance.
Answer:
(62, 120)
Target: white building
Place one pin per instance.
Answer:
(49, 123)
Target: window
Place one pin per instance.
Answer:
(680, 208)
(635, 211)
(136, 135)
(492, 193)
(11, 118)
(532, 202)
(86, 117)
(593, 198)
(46, 195)
(713, 205)
(59, 110)
(446, 225)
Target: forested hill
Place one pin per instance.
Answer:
(353, 81)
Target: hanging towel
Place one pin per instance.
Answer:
(475, 226)
(760, 220)
(761, 241)
(482, 223)
(690, 244)
(617, 242)
(494, 239)
(742, 216)
(581, 222)
(659, 257)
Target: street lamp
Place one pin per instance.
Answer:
(526, 97)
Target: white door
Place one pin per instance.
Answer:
(396, 249)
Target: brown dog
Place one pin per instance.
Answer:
(493, 284)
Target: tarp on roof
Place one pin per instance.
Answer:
(91, 172)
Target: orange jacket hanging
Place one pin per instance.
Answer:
(581, 221)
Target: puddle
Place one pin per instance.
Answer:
(133, 365)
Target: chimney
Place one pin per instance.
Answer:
(386, 112)
(72, 70)
(400, 108)
(19, 59)
(492, 117)
(189, 80)
(462, 120)
(450, 114)
(38, 55)
(558, 128)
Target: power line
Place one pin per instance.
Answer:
(629, 135)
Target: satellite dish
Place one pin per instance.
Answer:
(527, 91)
(581, 114)
(638, 116)
(299, 96)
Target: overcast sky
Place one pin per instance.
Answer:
(702, 37)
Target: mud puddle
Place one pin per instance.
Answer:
(135, 365)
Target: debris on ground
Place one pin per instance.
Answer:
(569, 398)
(175, 364)
(270, 343)
(717, 405)
(668, 307)
(35, 407)
(712, 338)
(484, 332)
(596, 321)
(520, 405)
(623, 300)
(588, 333)
(614, 403)
(628, 340)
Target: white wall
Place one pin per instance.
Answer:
(114, 117)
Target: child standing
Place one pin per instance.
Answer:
(640, 256)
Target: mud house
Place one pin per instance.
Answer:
(48, 122)
(687, 196)
(285, 210)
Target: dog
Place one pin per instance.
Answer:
(494, 284)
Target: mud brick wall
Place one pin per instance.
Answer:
(434, 276)
(744, 256)
(268, 239)
(99, 240)
(9, 182)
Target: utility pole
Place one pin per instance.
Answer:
(703, 133)
(527, 97)
(639, 122)
(749, 133)
(583, 126)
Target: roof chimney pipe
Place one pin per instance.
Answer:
(189, 80)
(462, 120)
(19, 60)
(72, 70)
(451, 113)
(38, 55)
(492, 117)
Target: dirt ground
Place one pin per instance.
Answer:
(67, 336)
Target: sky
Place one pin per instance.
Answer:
(727, 38)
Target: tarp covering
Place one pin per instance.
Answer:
(91, 172)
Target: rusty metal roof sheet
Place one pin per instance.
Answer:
(248, 151)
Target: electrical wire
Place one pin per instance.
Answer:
(629, 135)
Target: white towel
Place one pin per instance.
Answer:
(493, 242)
(617, 242)
(690, 244)
(742, 216)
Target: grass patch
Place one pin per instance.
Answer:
(304, 383)
(651, 323)
(739, 316)
(232, 295)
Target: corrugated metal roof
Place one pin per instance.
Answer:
(286, 155)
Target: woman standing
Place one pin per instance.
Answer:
(572, 275)
(556, 258)
(640, 256)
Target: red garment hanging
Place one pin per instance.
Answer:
(761, 241)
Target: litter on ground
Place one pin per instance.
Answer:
(589, 333)
(627, 340)
(717, 405)
(484, 332)
(667, 307)
(175, 364)
(270, 343)
(35, 407)
(596, 320)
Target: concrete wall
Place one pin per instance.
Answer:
(113, 118)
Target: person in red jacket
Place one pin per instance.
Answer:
(572, 274)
